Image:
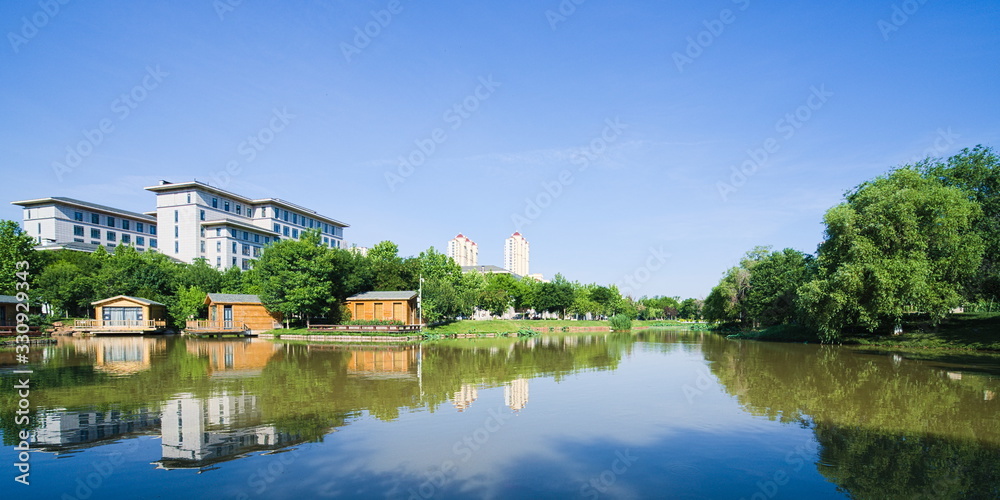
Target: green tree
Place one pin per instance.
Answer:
(187, 303)
(66, 287)
(690, 308)
(202, 275)
(148, 275)
(16, 246)
(774, 281)
(977, 173)
(389, 271)
(900, 243)
(296, 277)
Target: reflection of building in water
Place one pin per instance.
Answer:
(233, 355)
(464, 397)
(383, 362)
(201, 431)
(515, 394)
(121, 355)
(62, 430)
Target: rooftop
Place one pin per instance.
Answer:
(84, 204)
(385, 295)
(234, 298)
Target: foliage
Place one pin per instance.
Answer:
(373, 322)
(187, 303)
(900, 243)
(296, 277)
(16, 246)
(620, 323)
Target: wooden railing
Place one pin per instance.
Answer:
(10, 331)
(120, 324)
(216, 326)
(365, 328)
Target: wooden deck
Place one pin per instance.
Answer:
(365, 328)
(209, 328)
(100, 327)
(11, 331)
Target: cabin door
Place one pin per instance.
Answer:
(227, 317)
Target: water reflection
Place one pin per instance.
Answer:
(877, 425)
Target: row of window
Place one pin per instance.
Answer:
(112, 236)
(226, 206)
(116, 222)
(245, 265)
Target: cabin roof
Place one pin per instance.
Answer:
(8, 299)
(139, 300)
(381, 295)
(232, 298)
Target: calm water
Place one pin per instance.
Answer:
(657, 414)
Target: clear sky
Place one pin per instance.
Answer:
(621, 122)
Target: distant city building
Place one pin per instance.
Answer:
(489, 269)
(463, 251)
(538, 277)
(515, 254)
(192, 220)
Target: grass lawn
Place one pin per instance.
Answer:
(303, 331)
(970, 331)
(513, 325)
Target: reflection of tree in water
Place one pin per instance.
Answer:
(888, 427)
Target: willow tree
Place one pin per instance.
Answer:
(899, 243)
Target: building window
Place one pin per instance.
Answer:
(152, 229)
(177, 247)
(140, 240)
(152, 242)
(246, 236)
(225, 205)
(189, 197)
(284, 230)
(202, 247)
(95, 233)
(77, 230)
(267, 240)
(246, 264)
(111, 222)
(277, 228)
(256, 238)
(284, 214)
(112, 236)
(232, 233)
(177, 232)
(234, 261)
(256, 251)
(218, 231)
(218, 262)
(295, 218)
(202, 231)
(234, 247)
(125, 224)
(246, 249)
(78, 240)
(139, 227)
(295, 233)
(177, 216)
(215, 203)
(202, 215)
(218, 246)
(239, 209)
(78, 216)
(250, 212)
(126, 238)
(95, 219)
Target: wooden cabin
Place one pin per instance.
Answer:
(8, 316)
(124, 314)
(399, 306)
(229, 312)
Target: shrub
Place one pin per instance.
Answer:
(367, 322)
(620, 323)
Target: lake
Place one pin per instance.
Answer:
(652, 414)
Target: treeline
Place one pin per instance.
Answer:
(923, 238)
(304, 279)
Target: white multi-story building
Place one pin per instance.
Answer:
(59, 222)
(515, 254)
(192, 220)
(463, 251)
(201, 221)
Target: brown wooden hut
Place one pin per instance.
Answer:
(399, 306)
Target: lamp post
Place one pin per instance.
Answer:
(420, 301)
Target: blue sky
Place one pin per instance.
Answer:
(606, 132)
